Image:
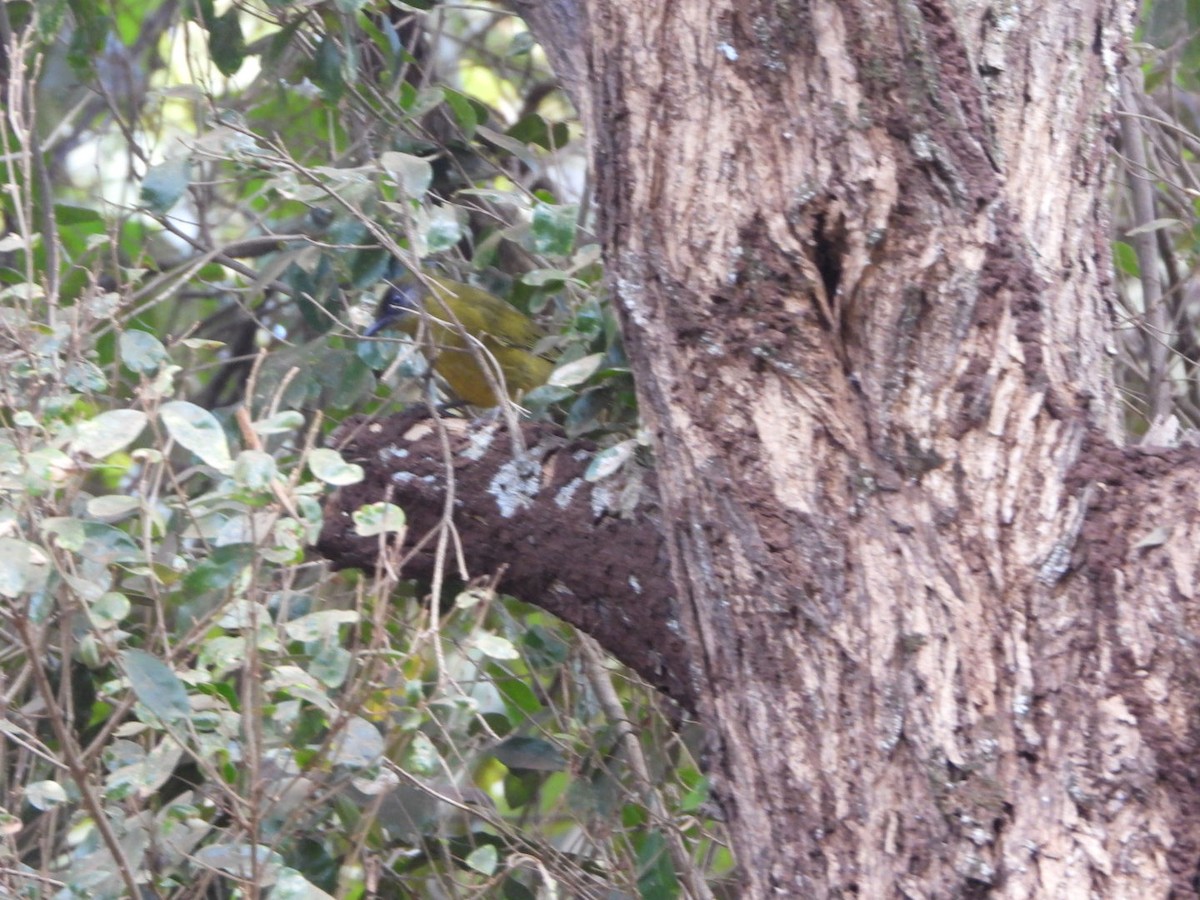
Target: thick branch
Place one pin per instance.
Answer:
(591, 554)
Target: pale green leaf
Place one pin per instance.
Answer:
(291, 885)
(577, 371)
(378, 518)
(45, 794)
(112, 507)
(422, 757)
(280, 423)
(411, 173)
(141, 351)
(197, 430)
(108, 432)
(319, 625)
(255, 469)
(358, 745)
(109, 609)
(496, 647)
(610, 460)
(165, 183)
(1155, 225)
(328, 465)
(484, 859)
(24, 567)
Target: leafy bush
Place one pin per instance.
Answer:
(204, 205)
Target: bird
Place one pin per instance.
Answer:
(498, 330)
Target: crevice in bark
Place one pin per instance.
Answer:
(829, 248)
(592, 554)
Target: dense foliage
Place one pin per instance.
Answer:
(206, 202)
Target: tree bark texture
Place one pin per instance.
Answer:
(945, 625)
(520, 514)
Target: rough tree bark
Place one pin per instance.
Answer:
(860, 250)
(941, 622)
(520, 515)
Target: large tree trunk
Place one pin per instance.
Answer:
(861, 253)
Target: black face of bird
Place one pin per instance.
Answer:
(395, 305)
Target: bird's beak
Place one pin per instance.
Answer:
(380, 324)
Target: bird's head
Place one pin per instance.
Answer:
(397, 303)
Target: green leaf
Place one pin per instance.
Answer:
(419, 103)
(411, 173)
(24, 567)
(521, 752)
(295, 682)
(107, 546)
(197, 430)
(328, 465)
(515, 147)
(512, 889)
(108, 432)
(207, 12)
(226, 43)
(113, 507)
(69, 216)
(520, 697)
(319, 626)
(291, 885)
(222, 654)
(165, 183)
(521, 787)
(554, 228)
(47, 467)
(326, 72)
(142, 352)
(255, 469)
(610, 460)
(45, 794)
(378, 518)
(280, 423)
(69, 533)
(576, 372)
(109, 609)
(484, 859)
(442, 230)
(496, 647)
(472, 596)
(84, 375)
(157, 687)
(330, 665)
(544, 648)
(358, 745)
(88, 36)
(143, 775)
(656, 879)
(464, 111)
(1126, 259)
(422, 757)
(533, 129)
(223, 566)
